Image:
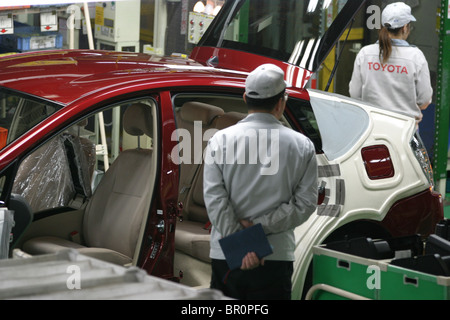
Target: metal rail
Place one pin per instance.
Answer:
(333, 290)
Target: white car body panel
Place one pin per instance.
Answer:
(364, 198)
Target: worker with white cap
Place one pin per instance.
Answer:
(391, 73)
(278, 192)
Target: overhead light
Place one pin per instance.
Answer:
(216, 10)
(209, 8)
(312, 6)
(199, 7)
(42, 2)
(326, 4)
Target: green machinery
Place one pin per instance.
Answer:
(442, 117)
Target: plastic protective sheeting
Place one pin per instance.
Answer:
(82, 156)
(56, 172)
(69, 275)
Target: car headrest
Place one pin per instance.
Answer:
(198, 111)
(229, 119)
(137, 120)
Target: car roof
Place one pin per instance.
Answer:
(64, 76)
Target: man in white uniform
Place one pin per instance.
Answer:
(259, 171)
(392, 74)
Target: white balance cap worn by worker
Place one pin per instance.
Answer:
(396, 15)
(264, 82)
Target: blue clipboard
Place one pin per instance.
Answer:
(236, 246)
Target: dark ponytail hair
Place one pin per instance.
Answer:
(385, 42)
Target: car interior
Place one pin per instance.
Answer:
(192, 236)
(66, 198)
(192, 232)
(104, 224)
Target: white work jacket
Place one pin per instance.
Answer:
(262, 171)
(402, 84)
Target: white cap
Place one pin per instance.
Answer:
(264, 82)
(396, 15)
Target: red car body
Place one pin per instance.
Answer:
(78, 82)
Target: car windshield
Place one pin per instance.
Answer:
(19, 114)
(287, 30)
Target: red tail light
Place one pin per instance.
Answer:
(377, 161)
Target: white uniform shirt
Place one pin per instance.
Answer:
(275, 185)
(402, 84)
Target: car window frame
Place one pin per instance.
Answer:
(8, 174)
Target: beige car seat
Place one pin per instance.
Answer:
(114, 215)
(192, 233)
